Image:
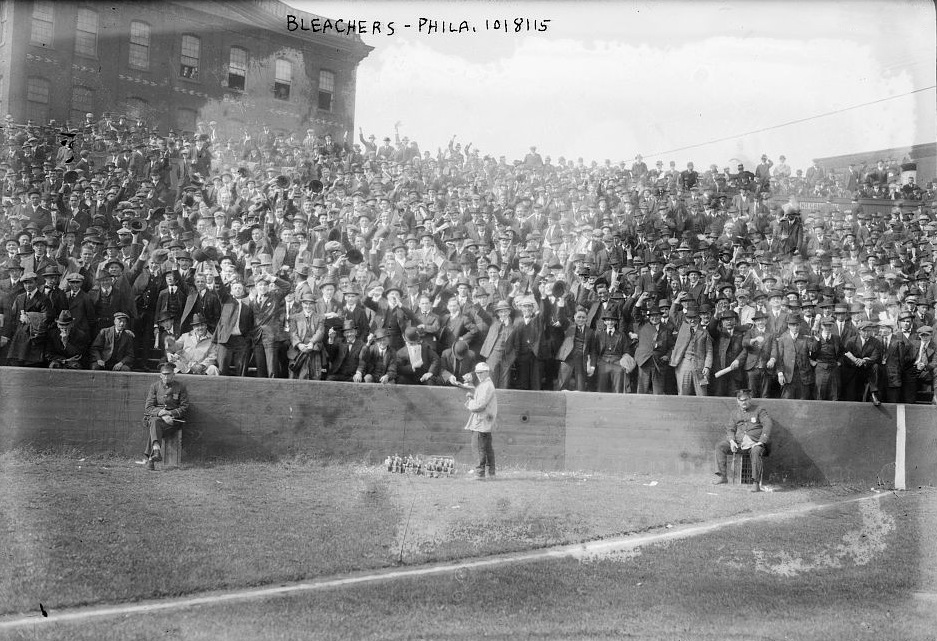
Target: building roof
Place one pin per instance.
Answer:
(272, 15)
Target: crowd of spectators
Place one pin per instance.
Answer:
(298, 255)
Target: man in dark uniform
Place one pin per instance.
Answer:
(166, 404)
(749, 430)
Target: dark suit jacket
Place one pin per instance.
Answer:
(701, 343)
(229, 319)
(653, 344)
(794, 354)
(615, 345)
(452, 329)
(894, 357)
(370, 361)
(779, 325)
(510, 346)
(268, 318)
(401, 367)
(302, 331)
(82, 310)
(393, 320)
(344, 358)
(569, 342)
(110, 349)
(449, 365)
(27, 341)
(77, 345)
(207, 306)
(757, 355)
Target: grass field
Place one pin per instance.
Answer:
(111, 532)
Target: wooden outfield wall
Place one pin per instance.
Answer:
(247, 418)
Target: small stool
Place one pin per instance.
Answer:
(172, 449)
(741, 468)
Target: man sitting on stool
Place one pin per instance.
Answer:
(166, 404)
(749, 431)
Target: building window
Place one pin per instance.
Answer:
(140, 45)
(237, 68)
(326, 90)
(136, 109)
(42, 23)
(191, 48)
(82, 103)
(283, 79)
(37, 99)
(86, 33)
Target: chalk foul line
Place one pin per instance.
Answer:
(576, 550)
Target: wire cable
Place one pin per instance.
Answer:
(787, 124)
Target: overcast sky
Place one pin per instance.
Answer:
(612, 79)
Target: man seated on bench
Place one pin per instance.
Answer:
(749, 431)
(166, 404)
(193, 352)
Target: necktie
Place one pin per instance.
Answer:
(172, 290)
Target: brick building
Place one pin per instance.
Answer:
(175, 63)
